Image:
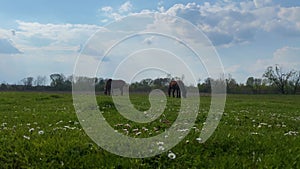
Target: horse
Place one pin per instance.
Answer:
(114, 84)
(175, 86)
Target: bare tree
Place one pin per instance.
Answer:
(40, 81)
(27, 81)
(278, 78)
(295, 81)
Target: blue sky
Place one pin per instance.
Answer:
(39, 37)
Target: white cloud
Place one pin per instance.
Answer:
(7, 47)
(291, 14)
(226, 23)
(148, 40)
(107, 9)
(286, 57)
(46, 48)
(230, 23)
(232, 69)
(261, 3)
(126, 7)
(104, 20)
(110, 13)
(37, 36)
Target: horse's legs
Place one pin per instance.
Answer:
(174, 92)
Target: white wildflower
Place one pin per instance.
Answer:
(161, 148)
(68, 127)
(135, 130)
(160, 143)
(31, 130)
(26, 137)
(254, 133)
(183, 130)
(199, 139)
(291, 133)
(171, 155)
(117, 125)
(41, 132)
(127, 125)
(126, 131)
(144, 128)
(59, 122)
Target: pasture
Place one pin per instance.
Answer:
(41, 130)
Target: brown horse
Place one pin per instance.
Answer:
(175, 86)
(113, 84)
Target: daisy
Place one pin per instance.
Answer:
(41, 132)
(171, 155)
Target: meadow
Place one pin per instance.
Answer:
(41, 130)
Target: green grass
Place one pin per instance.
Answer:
(256, 131)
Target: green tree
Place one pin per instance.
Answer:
(57, 81)
(250, 82)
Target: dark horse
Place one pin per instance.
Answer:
(175, 86)
(113, 84)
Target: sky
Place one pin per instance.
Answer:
(39, 37)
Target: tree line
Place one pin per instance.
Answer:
(273, 81)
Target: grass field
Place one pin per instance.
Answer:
(41, 130)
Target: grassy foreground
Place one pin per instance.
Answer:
(41, 130)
